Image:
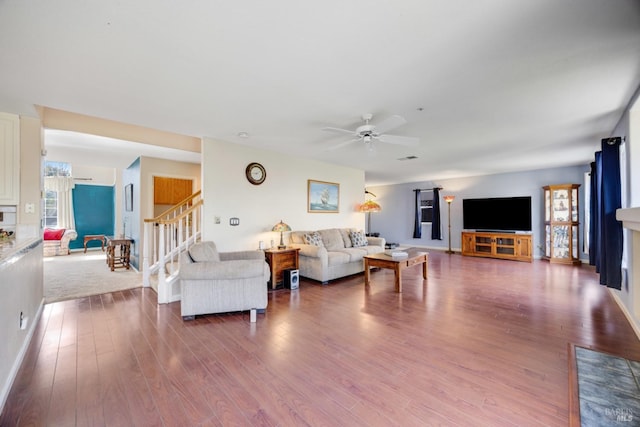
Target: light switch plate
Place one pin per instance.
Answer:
(234, 221)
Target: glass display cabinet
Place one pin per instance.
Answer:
(561, 224)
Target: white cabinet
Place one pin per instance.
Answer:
(9, 159)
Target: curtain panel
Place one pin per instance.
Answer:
(607, 243)
(436, 223)
(417, 222)
(63, 186)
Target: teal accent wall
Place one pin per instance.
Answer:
(94, 212)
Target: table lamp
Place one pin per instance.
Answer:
(281, 227)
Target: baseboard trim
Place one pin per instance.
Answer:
(635, 325)
(17, 363)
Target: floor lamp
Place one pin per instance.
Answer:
(449, 199)
(368, 207)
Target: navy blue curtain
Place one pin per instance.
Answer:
(608, 230)
(436, 228)
(417, 223)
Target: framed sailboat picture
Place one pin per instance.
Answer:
(323, 197)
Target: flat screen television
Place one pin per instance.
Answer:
(497, 214)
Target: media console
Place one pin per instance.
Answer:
(513, 246)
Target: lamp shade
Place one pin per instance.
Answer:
(281, 227)
(449, 199)
(370, 206)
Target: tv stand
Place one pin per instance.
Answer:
(502, 245)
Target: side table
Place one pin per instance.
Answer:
(90, 237)
(121, 258)
(280, 260)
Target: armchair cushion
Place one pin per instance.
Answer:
(204, 251)
(233, 269)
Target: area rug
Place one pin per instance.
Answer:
(81, 275)
(608, 389)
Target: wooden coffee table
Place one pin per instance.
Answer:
(397, 264)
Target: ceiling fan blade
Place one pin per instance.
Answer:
(350, 132)
(389, 123)
(409, 141)
(342, 144)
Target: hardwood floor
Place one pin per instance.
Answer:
(480, 342)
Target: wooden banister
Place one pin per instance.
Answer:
(166, 236)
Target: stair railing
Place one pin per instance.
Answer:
(165, 237)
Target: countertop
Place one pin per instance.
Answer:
(13, 249)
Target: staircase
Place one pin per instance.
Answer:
(165, 237)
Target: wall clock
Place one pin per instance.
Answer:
(256, 173)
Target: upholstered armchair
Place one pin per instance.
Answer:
(220, 282)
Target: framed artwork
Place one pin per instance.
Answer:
(323, 197)
(128, 197)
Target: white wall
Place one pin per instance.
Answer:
(283, 195)
(395, 222)
(629, 129)
(21, 286)
(30, 175)
(93, 175)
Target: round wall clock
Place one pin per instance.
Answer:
(256, 173)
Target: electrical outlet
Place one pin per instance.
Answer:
(216, 220)
(21, 319)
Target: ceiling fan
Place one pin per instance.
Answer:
(368, 133)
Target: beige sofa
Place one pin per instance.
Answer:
(335, 256)
(220, 282)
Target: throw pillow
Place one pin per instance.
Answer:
(313, 238)
(358, 239)
(51, 234)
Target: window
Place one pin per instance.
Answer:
(426, 207)
(50, 196)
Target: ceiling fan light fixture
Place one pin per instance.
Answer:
(367, 133)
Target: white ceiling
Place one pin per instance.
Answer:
(488, 85)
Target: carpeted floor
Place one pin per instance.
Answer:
(609, 389)
(80, 275)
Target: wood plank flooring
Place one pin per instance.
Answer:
(481, 342)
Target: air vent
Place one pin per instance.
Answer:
(408, 158)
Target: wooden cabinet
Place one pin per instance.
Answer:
(280, 260)
(9, 159)
(561, 224)
(517, 247)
